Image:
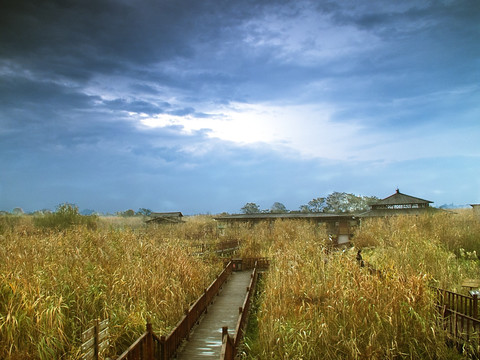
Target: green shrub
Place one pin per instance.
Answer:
(65, 216)
(8, 222)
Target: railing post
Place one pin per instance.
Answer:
(163, 350)
(149, 350)
(95, 334)
(187, 323)
(475, 306)
(206, 300)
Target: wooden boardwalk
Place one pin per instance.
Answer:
(206, 338)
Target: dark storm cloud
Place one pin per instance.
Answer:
(77, 78)
(77, 41)
(23, 93)
(109, 35)
(82, 31)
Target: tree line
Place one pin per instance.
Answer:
(336, 202)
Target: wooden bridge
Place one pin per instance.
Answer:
(205, 341)
(213, 326)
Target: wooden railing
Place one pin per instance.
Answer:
(467, 305)
(95, 340)
(258, 263)
(462, 330)
(149, 346)
(223, 247)
(181, 332)
(460, 318)
(146, 347)
(230, 344)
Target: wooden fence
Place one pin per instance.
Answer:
(258, 263)
(230, 344)
(95, 340)
(462, 330)
(467, 305)
(146, 347)
(149, 346)
(181, 332)
(460, 318)
(221, 248)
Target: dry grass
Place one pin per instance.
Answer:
(433, 246)
(316, 304)
(54, 284)
(118, 222)
(319, 304)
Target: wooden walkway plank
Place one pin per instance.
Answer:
(206, 339)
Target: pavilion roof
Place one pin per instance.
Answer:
(400, 199)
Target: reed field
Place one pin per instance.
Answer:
(316, 302)
(320, 304)
(55, 283)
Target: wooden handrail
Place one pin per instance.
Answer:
(460, 317)
(149, 346)
(143, 348)
(181, 332)
(467, 305)
(229, 344)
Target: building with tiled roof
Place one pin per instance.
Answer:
(399, 204)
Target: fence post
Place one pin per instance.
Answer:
(95, 346)
(163, 351)
(475, 306)
(149, 343)
(206, 300)
(187, 318)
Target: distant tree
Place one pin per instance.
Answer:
(304, 209)
(340, 202)
(128, 213)
(369, 200)
(335, 202)
(250, 208)
(18, 211)
(278, 208)
(87, 212)
(314, 206)
(317, 205)
(144, 212)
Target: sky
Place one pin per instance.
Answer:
(201, 106)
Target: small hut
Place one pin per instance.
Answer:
(165, 218)
(476, 209)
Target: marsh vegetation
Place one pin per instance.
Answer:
(316, 302)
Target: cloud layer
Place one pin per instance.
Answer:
(202, 106)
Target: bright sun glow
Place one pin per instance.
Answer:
(305, 129)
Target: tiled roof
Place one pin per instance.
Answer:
(166, 214)
(401, 199)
